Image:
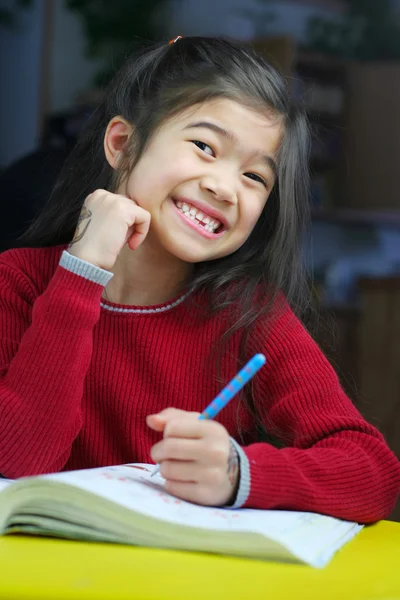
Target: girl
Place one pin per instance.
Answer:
(188, 198)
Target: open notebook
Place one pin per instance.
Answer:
(123, 504)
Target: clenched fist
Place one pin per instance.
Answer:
(197, 458)
(107, 222)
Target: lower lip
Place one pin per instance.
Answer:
(198, 228)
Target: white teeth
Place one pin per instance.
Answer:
(207, 223)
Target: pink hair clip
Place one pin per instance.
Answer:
(179, 37)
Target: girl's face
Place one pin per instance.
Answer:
(205, 177)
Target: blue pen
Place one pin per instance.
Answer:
(233, 387)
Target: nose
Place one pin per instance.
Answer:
(220, 187)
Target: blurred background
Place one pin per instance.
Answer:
(342, 59)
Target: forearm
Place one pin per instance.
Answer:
(41, 388)
(351, 475)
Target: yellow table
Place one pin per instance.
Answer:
(367, 568)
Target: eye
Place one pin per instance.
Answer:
(257, 178)
(204, 147)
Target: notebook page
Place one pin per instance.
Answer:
(309, 536)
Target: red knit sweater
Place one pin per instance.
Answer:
(78, 377)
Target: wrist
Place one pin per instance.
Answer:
(233, 472)
(85, 269)
(87, 257)
(244, 481)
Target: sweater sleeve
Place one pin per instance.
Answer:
(333, 462)
(45, 352)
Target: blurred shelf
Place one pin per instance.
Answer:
(343, 310)
(389, 283)
(319, 165)
(358, 217)
(325, 118)
(309, 59)
(336, 6)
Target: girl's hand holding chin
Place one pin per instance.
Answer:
(107, 222)
(197, 458)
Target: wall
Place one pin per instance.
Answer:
(71, 71)
(342, 251)
(20, 76)
(233, 18)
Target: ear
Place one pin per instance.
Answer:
(115, 139)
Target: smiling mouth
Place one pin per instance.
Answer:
(209, 224)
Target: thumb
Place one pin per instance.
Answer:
(156, 422)
(159, 420)
(139, 229)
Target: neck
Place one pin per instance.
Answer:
(146, 276)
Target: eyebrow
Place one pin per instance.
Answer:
(231, 137)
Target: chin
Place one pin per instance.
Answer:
(188, 251)
(190, 257)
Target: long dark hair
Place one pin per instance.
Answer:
(158, 83)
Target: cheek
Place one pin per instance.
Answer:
(251, 213)
(144, 186)
(158, 178)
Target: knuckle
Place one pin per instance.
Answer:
(163, 470)
(167, 412)
(172, 447)
(167, 470)
(170, 430)
(216, 428)
(174, 428)
(88, 203)
(94, 196)
(219, 454)
(155, 452)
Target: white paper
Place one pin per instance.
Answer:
(311, 537)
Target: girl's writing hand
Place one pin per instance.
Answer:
(106, 223)
(197, 458)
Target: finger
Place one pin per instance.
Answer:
(177, 412)
(176, 449)
(191, 492)
(159, 420)
(140, 230)
(185, 428)
(156, 422)
(179, 471)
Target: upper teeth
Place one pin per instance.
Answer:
(193, 213)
